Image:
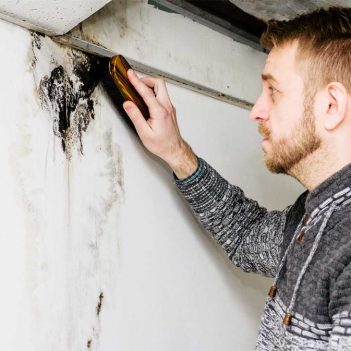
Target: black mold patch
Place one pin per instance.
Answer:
(36, 39)
(99, 305)
(68, 97)
(36, 44)
(53, 92)
(98, 311)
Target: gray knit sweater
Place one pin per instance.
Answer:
(306, 247)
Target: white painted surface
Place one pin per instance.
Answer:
(166, 285)
(177, 291)
(59, 216)
(49, 16)
(175, 44)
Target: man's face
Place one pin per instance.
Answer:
(284, 113)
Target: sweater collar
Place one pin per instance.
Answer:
(330, 189)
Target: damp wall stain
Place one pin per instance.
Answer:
(119, 10)
(67, 93)
(36, 45)
(76, 164)
(36, 40)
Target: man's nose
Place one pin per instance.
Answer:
(259, 112)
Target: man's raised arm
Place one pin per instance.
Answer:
(250, 235)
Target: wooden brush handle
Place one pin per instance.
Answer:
(118, 67)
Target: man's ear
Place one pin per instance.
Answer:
(337, 105)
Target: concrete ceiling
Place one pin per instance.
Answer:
(244, 20)
(284, 9)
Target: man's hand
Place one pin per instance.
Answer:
(160, 133)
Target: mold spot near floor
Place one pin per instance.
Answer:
(99, 305)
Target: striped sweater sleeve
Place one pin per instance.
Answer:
(250, 235)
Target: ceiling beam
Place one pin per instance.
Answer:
(221, 16)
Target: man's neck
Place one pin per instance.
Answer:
(317, 167)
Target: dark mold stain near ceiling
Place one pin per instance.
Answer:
(36, 39)
(67, 94)
(36, 44)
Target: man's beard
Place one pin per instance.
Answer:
(288, 152)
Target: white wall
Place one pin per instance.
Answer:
(177, 290)
(177, 45)
(109, 220)
(59, 214)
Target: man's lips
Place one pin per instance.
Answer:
(264, 132)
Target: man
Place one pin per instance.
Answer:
(304, 116)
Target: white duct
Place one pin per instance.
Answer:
(52, 17)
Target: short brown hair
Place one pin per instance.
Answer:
(324, 45)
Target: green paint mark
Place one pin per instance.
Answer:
(156, 5)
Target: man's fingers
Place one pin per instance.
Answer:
(140, 124)
(145, 92)
(151, 82)
(159, 86)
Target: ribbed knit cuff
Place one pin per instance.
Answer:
(192, 177)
